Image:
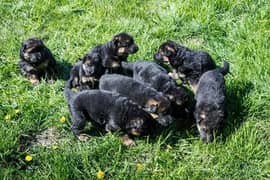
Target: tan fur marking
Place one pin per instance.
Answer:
(194, 87)
(121, 50)
(115, 64)
(170, 49)
(152, 102)
(127, 141)
(155, 116)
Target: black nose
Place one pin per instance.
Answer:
(157, 57)
(134, 48)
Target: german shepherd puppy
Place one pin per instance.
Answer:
(188, 64)
(147, 97)
(210, 102)
(108, 111)
(115, 51)
(85, 74)
(36, 61)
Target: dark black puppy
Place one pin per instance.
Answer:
(86, 73)
(157, 77)
(150, 99)
(210, 102)
(108, 111)
(116, 51)
(189, 64)
(36, 61)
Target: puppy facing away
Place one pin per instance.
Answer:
(86, 73)
(150, 99)
(36, 61)
(210, 102)
(157, 77)
(108, 111)
(116, 51)
(189, 64)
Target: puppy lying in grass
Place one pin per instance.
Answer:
(86, 73)
(108, 111)
(188, 64)
(210, 102)
(116, 51)
(36, 61)
(150, 99)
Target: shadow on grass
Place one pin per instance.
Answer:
(63, 70)
(237, 108)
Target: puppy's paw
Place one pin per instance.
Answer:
(34, 80)
(83, 137)
(51, 81)
(127, 141)
(173, 75)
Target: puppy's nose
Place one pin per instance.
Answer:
(157, 57)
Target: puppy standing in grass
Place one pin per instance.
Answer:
(86, 73)
(108, 111)
(188, 64)
(36, 61)
(210, 102)
(150, 99)
(116, 51)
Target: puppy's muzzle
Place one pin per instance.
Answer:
(133, 49)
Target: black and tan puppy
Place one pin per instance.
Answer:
(86, 73)
(116, 51)
(150, 99)
(36, 61)
(158, 78)
(108, 111)
(189, 64)
(210, 102)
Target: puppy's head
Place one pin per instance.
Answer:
(91, 63)
(124, 44)
(178, 95)
(209, 120)
(139, 123)
(168, 52)
(32, 50)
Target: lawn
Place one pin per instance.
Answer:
(237, 30)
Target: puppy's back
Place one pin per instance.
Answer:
(126, 86)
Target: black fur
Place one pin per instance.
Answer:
(157, 77)
(36, 61)
(189, 64)
(116, 51)
(86, 73)
(210, 102)
(108, 111)
(150, 99)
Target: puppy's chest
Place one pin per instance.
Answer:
(43, 65)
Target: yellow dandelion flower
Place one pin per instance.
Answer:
(100, 174)
(28, 158)
(169, 147)
(62, 119)
(54, 147)
(17, 111)
(7, 117)
(139, 167)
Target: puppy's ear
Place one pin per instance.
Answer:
(115, 40)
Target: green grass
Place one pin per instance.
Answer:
(237, 30)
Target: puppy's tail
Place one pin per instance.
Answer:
(69, 94)
(225, 69)
(127, 65)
